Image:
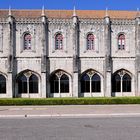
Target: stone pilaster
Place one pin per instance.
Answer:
(75, 36)
(10, 56)
(44, 55)
(137, 61)
(108, 60)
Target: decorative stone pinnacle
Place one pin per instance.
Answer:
(9, 11)
(138, 13)
(74, 12)
(106, 12)
(43, 11)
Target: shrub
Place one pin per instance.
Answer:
(70, 101)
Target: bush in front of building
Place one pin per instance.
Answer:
(70, 101)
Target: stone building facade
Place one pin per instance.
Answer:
(69, 53)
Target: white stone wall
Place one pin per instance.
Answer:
(63, 59)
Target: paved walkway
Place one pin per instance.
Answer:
(70, 111)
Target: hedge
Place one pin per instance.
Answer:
(69, 101)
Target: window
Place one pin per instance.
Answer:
(54, 84)
(33, 84)
(90, 82)
(27, 83)
(121, 42)
(116, 83)
(59, 83)
(90, 42)
(2, 84)
(85, 83)
(126, 83)
(59, 42)
(27, 41)
(96, 85)
(64, 84)
(121, 82)
(22, 84)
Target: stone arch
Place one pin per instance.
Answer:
(95, 71)
(28, 82)
(90, 81)
(121, 81)
(60, 82)
(58, 70)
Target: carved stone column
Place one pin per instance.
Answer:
(75, 42)
(108, 60)
(10, 56)
(44, 67)
(137, 61)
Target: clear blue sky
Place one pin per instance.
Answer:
(68, 4)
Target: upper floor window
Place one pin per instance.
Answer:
(59, 41)
(90, 42)
(121, 42)
(27, 41)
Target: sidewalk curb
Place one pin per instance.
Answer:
(71, 115)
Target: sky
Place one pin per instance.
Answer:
(69, 4)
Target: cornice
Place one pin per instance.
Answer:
(59, 21)
(28, 20)
(91, 21)
(123, 21)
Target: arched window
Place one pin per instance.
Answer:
(27, 83)
(22, 84)
(90, 82)
(2, 84)
(27, 41)
(59, 41)
(59, 83)
(54, 84)
(90, 42)
(121, 82)
(96, 83)
(64, 84)
(85, 83)
(126, 83)
(116, 83)
(121, 42)
(33, 84)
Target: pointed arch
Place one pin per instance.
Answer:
(59, 82)
(116, 83)
(85, 83)
(64, 84)
(126, 83)
(28, 82)
(54, 83)
(121, 81)
(22, 84)
(96, 83)
(90, 81)
(33, 84)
